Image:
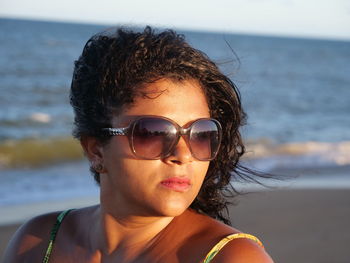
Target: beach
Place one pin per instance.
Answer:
(307, 225)
(300, 225)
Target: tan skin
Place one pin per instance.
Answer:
(156, 224)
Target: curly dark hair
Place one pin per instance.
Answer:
(110, 73)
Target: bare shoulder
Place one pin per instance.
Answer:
(242, 250)
(209, 225)
(210, 232)
(30, 239)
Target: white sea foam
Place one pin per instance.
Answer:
(268, 155)
(40, 117)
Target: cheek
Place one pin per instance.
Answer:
(122, 169)
(200, 171)
(132, 175)
(117, 148)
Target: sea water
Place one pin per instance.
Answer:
(295, 91)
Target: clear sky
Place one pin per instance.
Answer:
(305, 18)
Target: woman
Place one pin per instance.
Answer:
(159, 124)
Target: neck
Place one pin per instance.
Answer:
(125, 236)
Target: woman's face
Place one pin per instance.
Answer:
(164, 187)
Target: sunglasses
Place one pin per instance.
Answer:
(154, 137)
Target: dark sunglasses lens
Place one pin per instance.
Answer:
(152, 137)
(205, 139)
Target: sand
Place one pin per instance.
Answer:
(295, 225)
(298, 225)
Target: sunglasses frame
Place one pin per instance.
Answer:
(180, 132)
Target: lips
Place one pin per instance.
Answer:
(177, 184)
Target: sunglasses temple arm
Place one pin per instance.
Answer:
(116, 131)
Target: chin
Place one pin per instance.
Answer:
(173, 208)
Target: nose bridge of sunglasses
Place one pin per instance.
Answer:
(183, 137)
(182, 142)
(184, 131)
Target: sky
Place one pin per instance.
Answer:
(301, 18)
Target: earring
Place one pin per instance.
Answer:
(98, 167)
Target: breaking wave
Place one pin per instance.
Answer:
(35, 152)
(269, 155)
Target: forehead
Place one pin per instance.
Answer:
(181, 101)
(172, 88)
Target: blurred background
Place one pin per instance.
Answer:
(289, 58)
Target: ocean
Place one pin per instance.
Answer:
(295, 91)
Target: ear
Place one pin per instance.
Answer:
(92, 149)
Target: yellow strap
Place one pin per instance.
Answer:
(212, 253)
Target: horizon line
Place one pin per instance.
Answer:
(186, 29)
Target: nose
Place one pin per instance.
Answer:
(180, 154)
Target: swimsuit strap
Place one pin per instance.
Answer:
(53, 234)
(212, 253)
